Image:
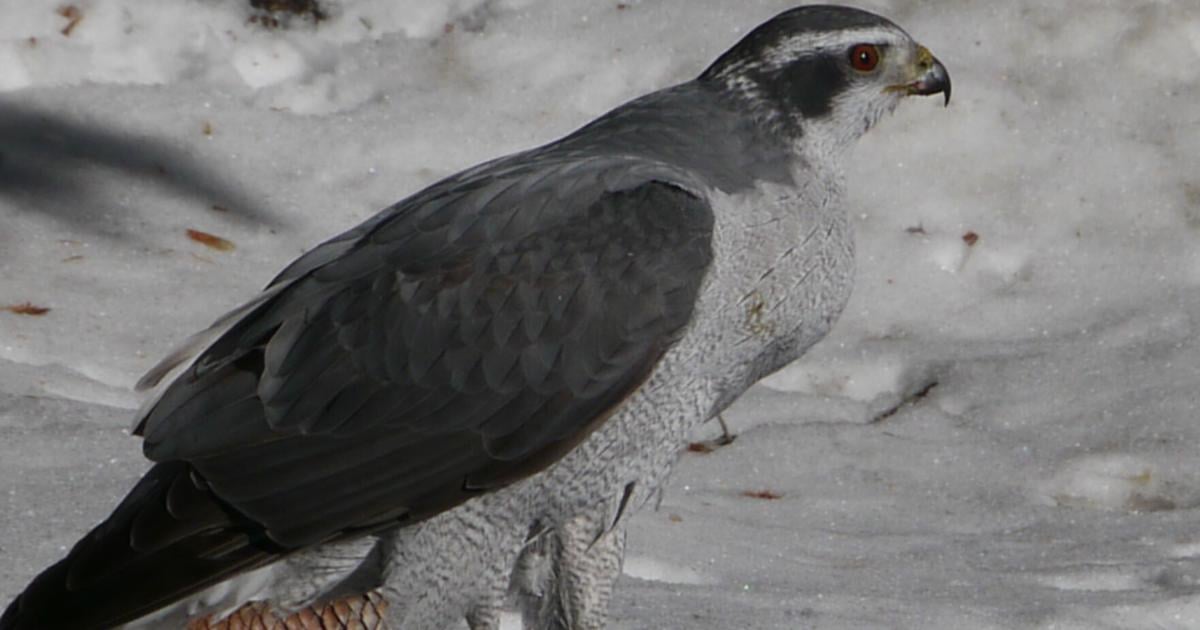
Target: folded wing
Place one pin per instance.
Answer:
(464, 339)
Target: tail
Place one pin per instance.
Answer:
(169, 538)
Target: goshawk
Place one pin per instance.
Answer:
(466, 396)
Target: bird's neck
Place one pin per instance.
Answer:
(822, 142)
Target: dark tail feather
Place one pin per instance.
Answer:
(169, 538)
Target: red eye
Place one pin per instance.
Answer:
(864, 57)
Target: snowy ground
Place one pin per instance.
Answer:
(1042, 471)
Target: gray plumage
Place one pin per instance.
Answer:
(460, 400)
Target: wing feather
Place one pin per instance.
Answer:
(468, 338)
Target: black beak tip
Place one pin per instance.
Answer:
(941, 79)
(935, 80)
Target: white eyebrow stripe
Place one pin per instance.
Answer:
(796, 46)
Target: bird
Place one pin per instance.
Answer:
(458, 403)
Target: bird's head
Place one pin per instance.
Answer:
(823, 75)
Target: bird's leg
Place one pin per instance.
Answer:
(588, 577)
(726, 436)
(484, 618)
(484, 614)
(565, 578)
(454, 566)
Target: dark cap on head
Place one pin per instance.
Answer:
(806, 19)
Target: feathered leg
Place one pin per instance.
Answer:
(565, 578)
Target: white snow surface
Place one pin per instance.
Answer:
(1002, 434)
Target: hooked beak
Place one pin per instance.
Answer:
(932, 77)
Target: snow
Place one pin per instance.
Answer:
(996, 435)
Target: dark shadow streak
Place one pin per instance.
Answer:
(45, 156)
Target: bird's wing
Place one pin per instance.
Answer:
(465, 338)
(468, 339)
